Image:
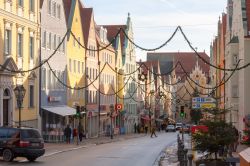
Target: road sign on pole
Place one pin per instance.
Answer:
(203, 102)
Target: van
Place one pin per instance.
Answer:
(20, 142)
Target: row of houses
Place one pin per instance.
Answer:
(76, 67)
(230, 49)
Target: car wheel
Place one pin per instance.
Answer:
(8, 155)
(31, 159)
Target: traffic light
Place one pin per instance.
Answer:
(182, 113)
(78, 111)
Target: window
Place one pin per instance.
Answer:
(31, 47)
(7, 42)
(44, 39)
(90, 96)
(70, 65)
(54, 9)
(54, 45)
(79, 66)
(74, 42)
(49, 7)
(32, 5)
(59, 41)
(74, 66)
(90, 73)
(235, 91)
(63, 46)
(49, 79)
(79, 39)
(235, 60)
(31, 96)
(59, 11)
(87, 96)
(82, 67)
(20, 44)
(49, 43)
(43, 78)
(20, 3)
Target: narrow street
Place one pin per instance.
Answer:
(141, 151)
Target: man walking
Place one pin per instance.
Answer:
(67, 134)
(153, 131)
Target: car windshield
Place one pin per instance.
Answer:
(30, 134)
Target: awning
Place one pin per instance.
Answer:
(61, 110)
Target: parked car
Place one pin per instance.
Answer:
(178, 126)
(170, 128)
(20, 142)
(185, 129)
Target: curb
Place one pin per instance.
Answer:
(85, 146)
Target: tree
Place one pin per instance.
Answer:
(218, 136)
(195, 115)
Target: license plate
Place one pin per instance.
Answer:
(35, 144)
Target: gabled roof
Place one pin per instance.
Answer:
(187, 59)
(112, 31)
(86, 16)
(67, 8)
(41, 3)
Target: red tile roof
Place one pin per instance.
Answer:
(86, 16)
(67, 7)
(112, 31)
(188, 61)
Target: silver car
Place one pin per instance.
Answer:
(170, 128)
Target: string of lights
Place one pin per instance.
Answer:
(41, 63)
(204, 60)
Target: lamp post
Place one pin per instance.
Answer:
(111, 108)
(143, 77)
(20, 93)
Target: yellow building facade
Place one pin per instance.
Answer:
(75, 53)
(19, 45)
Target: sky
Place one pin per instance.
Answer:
(154, 21)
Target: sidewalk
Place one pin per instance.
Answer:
(169, 157)
(55, 148)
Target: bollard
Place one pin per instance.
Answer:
(185, 161)
(182, 154)
(190, 159)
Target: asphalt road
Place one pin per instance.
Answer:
(141, 151)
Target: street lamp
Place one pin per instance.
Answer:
(20, 93)
(111, 108)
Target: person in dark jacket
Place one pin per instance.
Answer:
(67, 134)
(80, 131)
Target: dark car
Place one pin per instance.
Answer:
(20, 142)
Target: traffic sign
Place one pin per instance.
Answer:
(203, 105)
(118, 106)
(203, 100)
(208, 105)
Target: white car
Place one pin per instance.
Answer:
(170, 128)
(178, 126)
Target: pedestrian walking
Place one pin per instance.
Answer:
(75, 135)
(153, 131)
(67, 134)
(135, 127)
(146, 129)
(80, 131)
